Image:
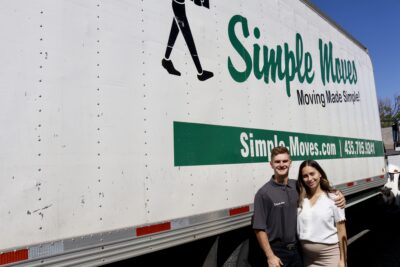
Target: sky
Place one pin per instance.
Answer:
(376, 25)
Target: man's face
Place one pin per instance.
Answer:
(281, 164)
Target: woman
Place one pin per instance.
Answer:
(320, 224)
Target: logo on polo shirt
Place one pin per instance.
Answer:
(279, 203)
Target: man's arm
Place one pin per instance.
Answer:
(273, 260)
(340, 201)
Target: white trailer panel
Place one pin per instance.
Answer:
(100, 145)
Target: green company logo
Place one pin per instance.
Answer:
(204, 144)
(282, 62)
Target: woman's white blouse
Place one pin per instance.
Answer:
(318, 223)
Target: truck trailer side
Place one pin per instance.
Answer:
(133, 126)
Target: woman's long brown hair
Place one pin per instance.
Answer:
(302, 187)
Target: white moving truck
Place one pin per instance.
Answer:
(133, 126)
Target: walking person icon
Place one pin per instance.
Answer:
(180, 23)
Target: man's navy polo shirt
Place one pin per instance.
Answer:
(275, 210)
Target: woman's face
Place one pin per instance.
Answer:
(311, 177)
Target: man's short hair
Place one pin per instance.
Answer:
(279, 150)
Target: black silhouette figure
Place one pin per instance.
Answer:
(395, 132)
(181, 23)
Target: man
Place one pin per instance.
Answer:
(275, 213)
(395, 132)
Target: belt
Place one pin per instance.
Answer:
(288, 246)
